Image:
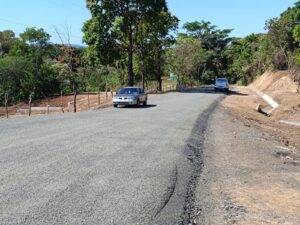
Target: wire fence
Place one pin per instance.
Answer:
(66, 101)
(60, 104)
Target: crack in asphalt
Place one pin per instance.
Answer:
(170, 191)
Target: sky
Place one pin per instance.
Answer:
(244, 16)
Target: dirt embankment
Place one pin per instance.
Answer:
(282, 89)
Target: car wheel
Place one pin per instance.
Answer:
(215, 89)
(145, 103)
(138, 102)
(116, 106)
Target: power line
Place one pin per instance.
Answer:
(13, 22)
(52, 32)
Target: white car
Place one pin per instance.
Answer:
(130, 96)
(221, 84)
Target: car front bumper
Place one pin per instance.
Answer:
(221, 88)
(124, 101)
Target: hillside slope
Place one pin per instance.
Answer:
(280, 86)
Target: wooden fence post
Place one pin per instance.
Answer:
(75, 97)
(61, 99)
(88, 100)
(5, 102)
(30, 99)
(99, 98)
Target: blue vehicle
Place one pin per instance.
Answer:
(221, 84)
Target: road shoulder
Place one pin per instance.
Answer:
(247, 177)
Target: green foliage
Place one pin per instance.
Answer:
(137, 37)
(187, 66)
(239, 59)
(278, 49)
(199, 53)
(101, 78)
(6, 39)
(35, 36)
(296, 33)
(18, 48)
(242, 55)
(15, 78)
(154, 39)
(283, 35)
(119, 28)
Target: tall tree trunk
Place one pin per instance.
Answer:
(286, 58)
(159, 81)
(158, 76)
(142, 52)
(99, 97)
(61, 101)
(88, 99)
(106, 88)
(130, 60)
(75, 96)
(143, 69)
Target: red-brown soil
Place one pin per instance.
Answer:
(282, 89)
(66, 103)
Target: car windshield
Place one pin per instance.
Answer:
(125, 91)
(222, 80)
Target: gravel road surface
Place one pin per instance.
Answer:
(111, 166)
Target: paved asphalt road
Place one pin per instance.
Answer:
(111, 166)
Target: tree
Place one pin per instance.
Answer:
(38, 41)
(214, 41)
(187, 59)
(199, 53)
(16, 78)
(283, 36)
(113, 29)
(245, 57)
(35, 36)
(153, 40)
(6, 39)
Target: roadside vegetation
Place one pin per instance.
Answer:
(136, 42)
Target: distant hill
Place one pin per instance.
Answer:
(77, 46)
(73, 45)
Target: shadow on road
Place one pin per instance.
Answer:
(210, 90)
(232, 92)
(137, 107)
